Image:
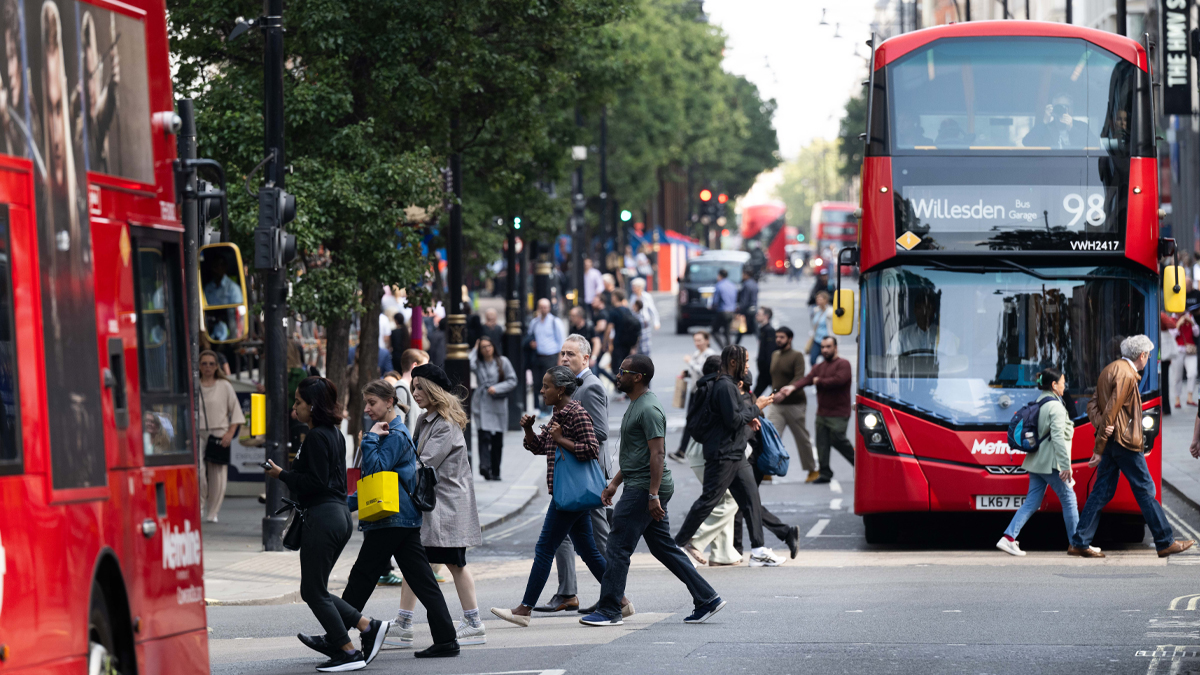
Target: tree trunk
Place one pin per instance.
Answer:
(367, 354)
(337, 352)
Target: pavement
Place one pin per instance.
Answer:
(1180, 472)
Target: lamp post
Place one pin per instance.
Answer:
(579, 154)
(513, 330)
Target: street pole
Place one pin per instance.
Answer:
(1121, 28)
(190, 213)
(457, 365)
(513, 333)
(275, 301)
(577, 239)
(541, 271)
(605, 212)
(1070, 15)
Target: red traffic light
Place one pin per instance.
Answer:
(705, 195)
(722, 198)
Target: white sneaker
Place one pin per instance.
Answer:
(1009, 546)
(764, 557)
(470, 635)
(399, 637)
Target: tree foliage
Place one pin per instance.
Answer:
(850, 146)
(814, 176)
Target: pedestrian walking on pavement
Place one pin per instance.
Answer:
(569, 430)
(831, 378)
(591, 395)
(453, 524)
(766, 348)
(641, 512)
(388, 446)
(626, 328)
(495, 379)
(545, 339)
(1115, 411)
(790, 412)
(724, 303)
(1050, 465)
(727, 417)
(747, 302)
(717, 528)
(637, 291)
(822, 326)
(317, 481)
(222, 417)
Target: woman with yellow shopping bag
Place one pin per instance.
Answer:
(389, 466)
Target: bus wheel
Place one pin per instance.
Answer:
(1123, 528)
(881, 528)
(102, 646)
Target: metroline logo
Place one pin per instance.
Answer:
(181, 548)
(982, 447)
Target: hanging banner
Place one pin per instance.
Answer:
(1176, 70)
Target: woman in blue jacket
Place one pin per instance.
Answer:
(388, 447)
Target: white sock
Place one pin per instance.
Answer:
(405, 617)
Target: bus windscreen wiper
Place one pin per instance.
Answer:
(1010, 266)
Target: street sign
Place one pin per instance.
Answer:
(1176, 66)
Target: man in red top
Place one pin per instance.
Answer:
(831, 377)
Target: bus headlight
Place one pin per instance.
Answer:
(1147, 423)
(873, 430)
(1151, 419)
(871, 420)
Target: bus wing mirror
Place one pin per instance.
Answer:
(1175, 289)
(843, 313)
(222, 291)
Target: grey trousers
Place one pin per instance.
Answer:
(564, 558)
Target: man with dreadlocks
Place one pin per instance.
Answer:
(725, 465)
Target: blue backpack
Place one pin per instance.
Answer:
(1022, 428)
(773, 460)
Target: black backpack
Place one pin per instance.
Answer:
(1022, 428)
(701, 420)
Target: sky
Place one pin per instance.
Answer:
(780, 46)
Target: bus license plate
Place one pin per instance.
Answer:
(705, 296)
(998, 502)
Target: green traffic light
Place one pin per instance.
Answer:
(626, 216)
(800, 237)
(517, 223)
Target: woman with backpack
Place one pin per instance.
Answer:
(1050, 464)
(494, 379)
(570, 429)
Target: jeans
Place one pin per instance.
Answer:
(1037, 490)
(556, 527)
(720, 475)
(1115, 461)
(832, 431)
(404, 545)
(632, 521)
(327, 528)
(564, 557)
(491, 447)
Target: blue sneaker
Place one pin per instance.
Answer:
(598, 619)
(704, 612)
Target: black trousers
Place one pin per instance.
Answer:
(491, 446)
(721, 475)
(763, 382)
(327, 528)
(770, 520)
(720, 328)
(404, 545)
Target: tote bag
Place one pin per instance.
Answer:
(577, 483)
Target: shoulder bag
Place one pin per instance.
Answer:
(424, 492)
(293, 531)
(577, 483)
(214, 452)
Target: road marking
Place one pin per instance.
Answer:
(818, 528)
(1049, 611)
(951, 611)
(1180, 523)
(854, 611)
(1191, 602)
(835, 486)
(510, 531)
(835, 504)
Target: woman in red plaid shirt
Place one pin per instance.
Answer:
(570, 428)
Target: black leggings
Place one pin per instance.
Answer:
(491, 447)
(327, 528)
(404, 545)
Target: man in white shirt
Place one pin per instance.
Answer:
(593, 283)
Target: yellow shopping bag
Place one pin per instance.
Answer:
(378, 496)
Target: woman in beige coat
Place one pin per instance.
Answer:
(453, 525)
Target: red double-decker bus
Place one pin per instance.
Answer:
(100, 558)
(766, 234)
(834, 225)
(1009, 223)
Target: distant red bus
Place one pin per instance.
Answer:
(100, 554)
(834, 226)
(765, 235)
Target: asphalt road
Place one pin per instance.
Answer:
(945, 601)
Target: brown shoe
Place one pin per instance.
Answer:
(695, 554)
(1088, 552)
(557, 603)
(1178, 546)
(812, 475)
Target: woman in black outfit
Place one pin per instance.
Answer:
(317, 480)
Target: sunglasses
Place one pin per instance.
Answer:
(626, 371)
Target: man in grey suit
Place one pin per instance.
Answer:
(576, 353)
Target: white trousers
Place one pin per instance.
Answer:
(1178, 364)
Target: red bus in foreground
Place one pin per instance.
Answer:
(765, 235)
(1010, 223)
(100, 558)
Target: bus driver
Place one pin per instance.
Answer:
(923, 337)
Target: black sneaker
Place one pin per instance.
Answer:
(344, 662)
(372, 638)
(438, 650)
(320, 644)
(704, 612)
(793, 540)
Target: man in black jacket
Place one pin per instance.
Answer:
(725, 466)
(747, 301)
(766, 347)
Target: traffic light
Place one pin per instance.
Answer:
(722, 198)
(626, 216)
(705, 195)
(273, 247)
(800, 237)
(708, 207)
(517, 223)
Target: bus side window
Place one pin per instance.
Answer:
(162, 350)
(10, 439)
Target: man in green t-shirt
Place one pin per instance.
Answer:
(642, 509)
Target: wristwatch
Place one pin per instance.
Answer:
(653, 497)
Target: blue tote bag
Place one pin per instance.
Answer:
(577, 483)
